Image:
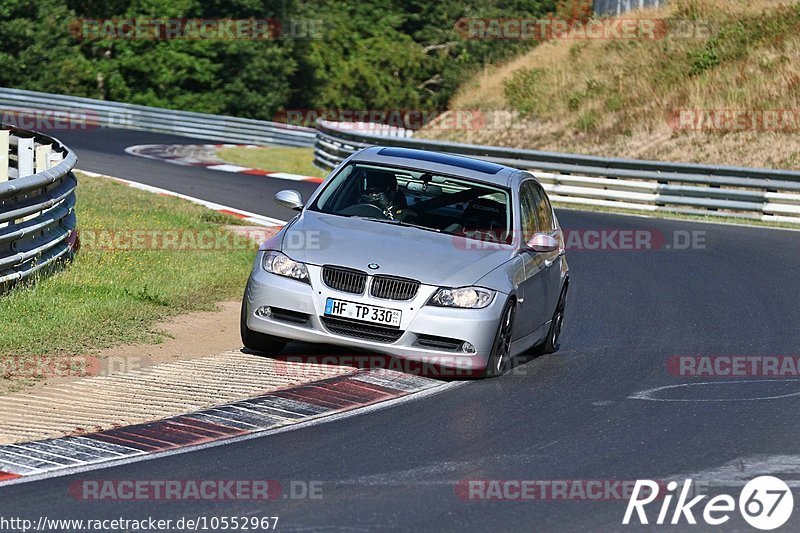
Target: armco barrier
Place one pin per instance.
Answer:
(762, 194)
(37, 203)
(107, 114)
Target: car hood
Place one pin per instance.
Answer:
(430, 257)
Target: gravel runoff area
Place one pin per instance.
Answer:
(167, 389)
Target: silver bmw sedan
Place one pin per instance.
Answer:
(423, 256)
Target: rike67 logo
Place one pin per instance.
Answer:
(765, 503)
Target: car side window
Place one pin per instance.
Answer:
(544, 212)
(529, 199)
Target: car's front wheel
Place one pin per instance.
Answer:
(258, 341)
(550, 343)
(500, 356)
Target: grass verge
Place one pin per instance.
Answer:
(274, 158)
(116, 289)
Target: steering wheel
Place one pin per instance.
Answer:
(364, 210)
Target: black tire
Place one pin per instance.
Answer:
(550, 344)
(258, 341)
(499, 359)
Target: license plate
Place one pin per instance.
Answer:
(363, 312)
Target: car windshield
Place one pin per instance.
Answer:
(433, 202)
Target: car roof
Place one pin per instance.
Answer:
(438, 163)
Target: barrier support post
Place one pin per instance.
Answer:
(42, 153)
(25, 157)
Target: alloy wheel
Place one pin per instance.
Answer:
(504, 342)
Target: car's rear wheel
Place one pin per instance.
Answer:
(258, 341)
(500, 356)
(550, 343)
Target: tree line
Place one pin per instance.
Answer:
(328, 54)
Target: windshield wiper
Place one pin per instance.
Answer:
(401, 223)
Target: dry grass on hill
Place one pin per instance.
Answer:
(616, 97)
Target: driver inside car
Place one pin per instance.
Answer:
(380, 190)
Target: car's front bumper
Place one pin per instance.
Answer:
(419, 323)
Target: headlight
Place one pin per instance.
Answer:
(279, 264)
(468, 297)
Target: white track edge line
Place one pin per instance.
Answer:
(253, 217)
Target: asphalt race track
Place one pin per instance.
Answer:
(566, 416)
(103, 151)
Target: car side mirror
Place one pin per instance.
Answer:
(289, 198)
(542, 242)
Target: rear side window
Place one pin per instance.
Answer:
(529, 200)
(537, 213)
(544, 212)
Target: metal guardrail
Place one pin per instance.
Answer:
(632, 184)
(102, 113)
(37, 203)
(618, 7)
